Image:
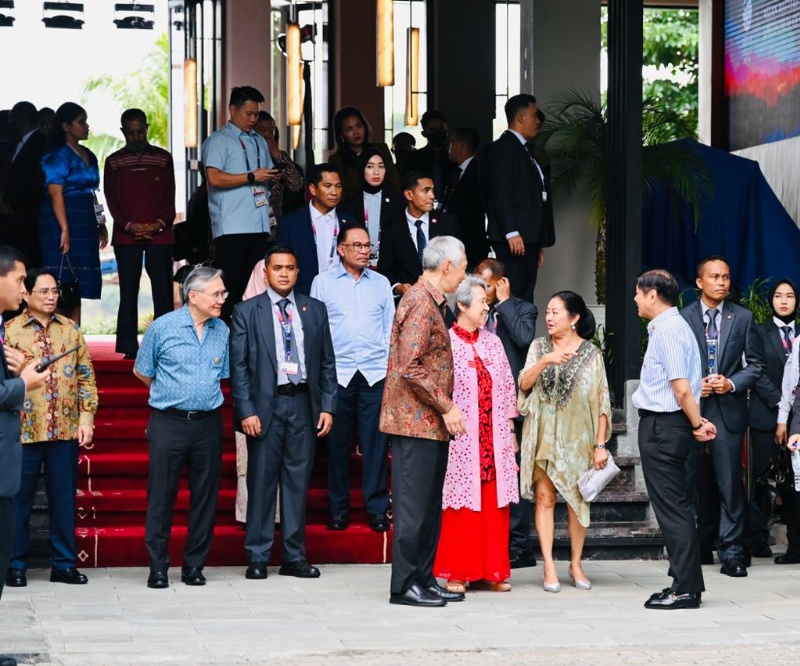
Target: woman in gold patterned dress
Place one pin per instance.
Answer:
(564, 399)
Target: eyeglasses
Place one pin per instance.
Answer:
(358, 247)
(44, 293)
(217, 295)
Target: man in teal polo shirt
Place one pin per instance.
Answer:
(239, 170)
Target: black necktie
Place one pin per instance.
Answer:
(288, 340)
(421, 241)
(711, 331)
(787, 336)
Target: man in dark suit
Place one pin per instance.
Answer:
(518, 197)
(432, 157)
(514, 322)
(726, 333)
(462, 196)
(24, 182)
(15, 379)
(405, 238)
(283, 383)
(311, 231)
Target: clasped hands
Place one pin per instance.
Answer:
(718, 384)
(144, 231)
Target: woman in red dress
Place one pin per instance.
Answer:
(481, 477)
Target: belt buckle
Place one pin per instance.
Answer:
(190, 415)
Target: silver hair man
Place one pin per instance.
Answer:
(200, 276)
(441, 249)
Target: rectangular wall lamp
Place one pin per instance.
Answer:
(294, 75)
(190, 103)
(385, 46)
(412, 77)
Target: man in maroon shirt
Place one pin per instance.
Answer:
(139, 184)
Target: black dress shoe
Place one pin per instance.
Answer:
(733, 568)
(706, 557)
(158, 580)
(761, 551)
(447, 595)
(416, 595)
(129, 357)
(256, 571)
(16, 578)
(192, 576)
(69, 576)
(379, 523)
(8, 661)
(789, 558)
(674, 601)
(521, 559)
(337, 523)
(299, 569)
(660, 595)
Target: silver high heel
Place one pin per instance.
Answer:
(580, 584)
(552, 587)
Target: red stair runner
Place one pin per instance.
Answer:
(112, 489)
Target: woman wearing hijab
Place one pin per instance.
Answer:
(375, 205)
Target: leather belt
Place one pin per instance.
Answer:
(647, 412)
(292, 389)
(190, 415)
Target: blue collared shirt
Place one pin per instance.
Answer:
(672, 353)
(233, 210)
(185, 370)
(360, 313)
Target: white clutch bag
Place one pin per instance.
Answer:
(593, 481)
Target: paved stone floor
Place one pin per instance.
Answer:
(344, 618)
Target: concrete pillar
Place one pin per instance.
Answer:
(461, 63)
(560, 49)
(247, 50)
(355, 45)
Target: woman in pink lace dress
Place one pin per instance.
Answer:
(481, 477)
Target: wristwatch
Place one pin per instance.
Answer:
(599, 446)
(251, 177)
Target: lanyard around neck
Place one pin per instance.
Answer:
(246, 160)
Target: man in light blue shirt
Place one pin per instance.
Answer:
(360, 311)
(239, 170)
(183, 357)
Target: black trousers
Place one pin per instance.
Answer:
(237, 255)
(358, 401)
(418, 469)
(23, 232)
(6, 537)
(520, 271)
(665, 441)
(175, 443)
(158, 263)
(521, 514)
(762, 445)
(283, 455)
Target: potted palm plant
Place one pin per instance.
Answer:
(574, 142)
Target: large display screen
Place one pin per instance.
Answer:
(762, 70)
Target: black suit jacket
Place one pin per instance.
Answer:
(426, 159)
(738, 336)
(398, 259)
(516, 327)
(513, 193)
(12, 395)
(294, 231)
(466, 203)
(25, 180)
(254, 362)
(392, 205)
(766, 392)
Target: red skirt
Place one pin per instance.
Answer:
(473, 545)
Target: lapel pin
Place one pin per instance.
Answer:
(304, 308)
(386, 199)
(730, 317)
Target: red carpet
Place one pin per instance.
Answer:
(112, 489)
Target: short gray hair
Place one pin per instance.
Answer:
(463, 293)
(441, 249)
(200, 276)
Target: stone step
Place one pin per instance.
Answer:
(611, 541)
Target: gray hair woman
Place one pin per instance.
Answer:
(481, 478)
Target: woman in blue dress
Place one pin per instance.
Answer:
(68, 228)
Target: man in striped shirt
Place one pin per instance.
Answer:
(668, 400)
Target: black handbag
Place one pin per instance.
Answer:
(776, 481)
(69, 292)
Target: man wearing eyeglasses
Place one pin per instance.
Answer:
(57, 419)
(360, 312)
(183, 357)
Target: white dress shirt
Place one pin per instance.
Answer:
(412, 227)
(326, 228)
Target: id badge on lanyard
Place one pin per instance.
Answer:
(258, 190)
